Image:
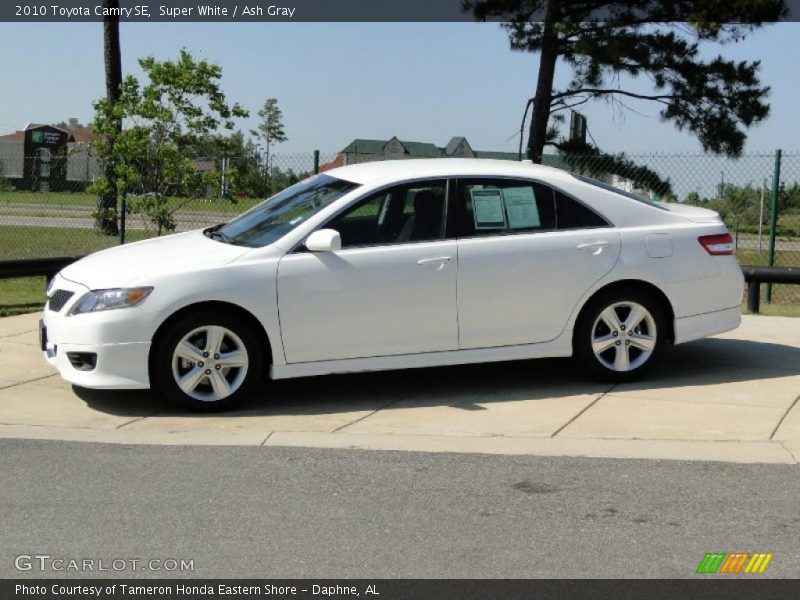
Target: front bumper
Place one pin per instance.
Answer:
(119, 366)
(120, 339)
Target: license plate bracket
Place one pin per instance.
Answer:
(42, 335)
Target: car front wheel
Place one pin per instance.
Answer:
(621, 336)
(207, 362)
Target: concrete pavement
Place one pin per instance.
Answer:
(729, 398)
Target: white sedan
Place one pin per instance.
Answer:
(395, 265)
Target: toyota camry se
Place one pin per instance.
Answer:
(396, 265)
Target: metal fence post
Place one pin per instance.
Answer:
(122, 220)
(316, 162)
(773, 218)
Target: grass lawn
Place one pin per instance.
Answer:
(18, 242)
(779, 310)
(785, 258)
(88, 201)
(24, 290)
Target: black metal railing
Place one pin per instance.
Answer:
(756, 275)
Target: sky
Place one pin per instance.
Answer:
(338, 81)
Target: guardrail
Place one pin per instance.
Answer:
(753, 275)
(31, 267)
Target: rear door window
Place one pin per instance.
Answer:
(489, 206)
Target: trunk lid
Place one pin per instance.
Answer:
(696, 214)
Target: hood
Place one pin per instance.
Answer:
(696, 214)
(140, 261)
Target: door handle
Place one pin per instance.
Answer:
(438, 259)
(593, 247)
(442, 260)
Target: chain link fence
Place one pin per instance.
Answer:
(48, 205)
(757, 195)
(50, 208)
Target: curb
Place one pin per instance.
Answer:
(768, 452)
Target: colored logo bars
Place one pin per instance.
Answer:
(735, 562)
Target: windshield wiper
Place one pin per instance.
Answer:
(215, 234)
(222, 237)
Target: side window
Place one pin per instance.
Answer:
(407, 213)
(504, 206)
(571, 214)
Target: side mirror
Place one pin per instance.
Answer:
(324, 240)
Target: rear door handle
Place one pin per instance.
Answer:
(438, 259)
(593, 247)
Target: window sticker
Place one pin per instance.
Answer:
(487, 209)
(521, 207)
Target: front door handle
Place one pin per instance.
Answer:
(593, 247)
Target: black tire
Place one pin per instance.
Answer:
(604, 365)
(163, 369)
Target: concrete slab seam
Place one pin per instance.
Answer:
(783, 418)
(789, 451)
(380, 408)
(16, 383)
(580, 413)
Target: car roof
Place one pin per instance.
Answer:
(399, 170)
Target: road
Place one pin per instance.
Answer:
(33, 215)
(280, 512)
(74, 219)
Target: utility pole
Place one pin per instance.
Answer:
(761, 213)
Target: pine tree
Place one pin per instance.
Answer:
(716, 100)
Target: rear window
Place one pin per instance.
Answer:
(571, 214)
(610, 188)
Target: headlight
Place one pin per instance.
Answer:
(98, 300)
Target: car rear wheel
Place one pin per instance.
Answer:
(620, 336)
(207, 362)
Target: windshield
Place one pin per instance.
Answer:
(275, 217)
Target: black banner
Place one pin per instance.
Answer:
(176, 11)
(706, 588)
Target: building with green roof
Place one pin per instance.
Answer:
(362, 150)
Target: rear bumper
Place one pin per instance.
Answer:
(700, 326)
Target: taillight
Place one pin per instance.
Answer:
(717, 245)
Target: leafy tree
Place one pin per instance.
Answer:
(591, 161)
(791, 197)
(179, 105)
(694, 199)
(271, 126)
(4, 183)
(280, 180)
(244, 172)
(602, 41)
(105, 217)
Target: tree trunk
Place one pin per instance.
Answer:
(106, 221)
(544, 85)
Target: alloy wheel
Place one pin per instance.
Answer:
(210, 363)
(624, 336)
